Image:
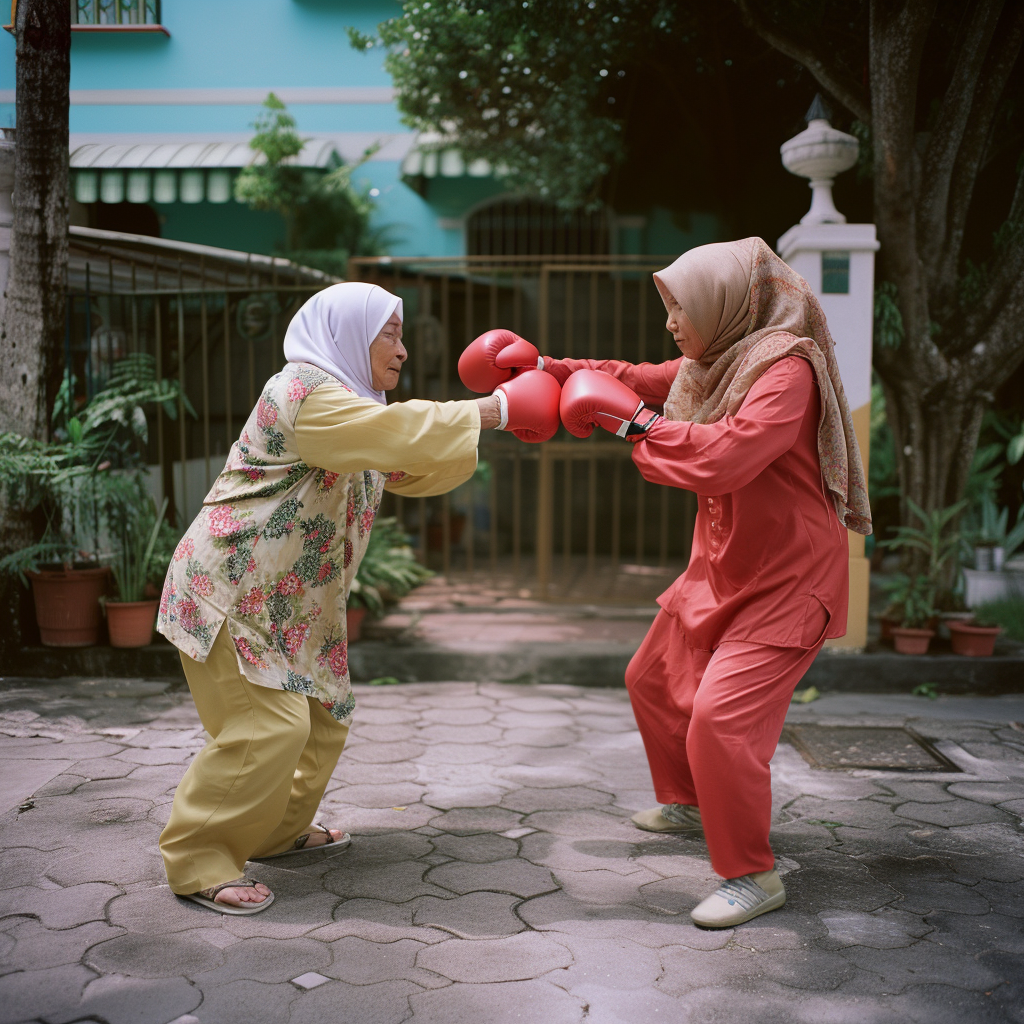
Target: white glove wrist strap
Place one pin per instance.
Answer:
(502, 409)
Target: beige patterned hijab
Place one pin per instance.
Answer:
(748, 310)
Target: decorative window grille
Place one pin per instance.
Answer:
(835, 273)
(115, 12)
(530, 227)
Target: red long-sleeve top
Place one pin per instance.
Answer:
(769, 553)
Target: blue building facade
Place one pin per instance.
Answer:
(163, 97)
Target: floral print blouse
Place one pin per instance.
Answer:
(275, 548)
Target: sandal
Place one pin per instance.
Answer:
(299, 846)
(207, 898)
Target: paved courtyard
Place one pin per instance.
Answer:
(494, 876)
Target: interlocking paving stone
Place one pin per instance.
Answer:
(884, 929)
(360, 962)
(477, 915)
(262, 959)
(383, 1003)
(151, 956)
(509, 792)
(246, 1002)
(60, 908)
(481, 848)
(516, 877)
(509, 1003)
(954, 812)
(121, 1000)
(50, 993)
(516, 958)
(613, 963)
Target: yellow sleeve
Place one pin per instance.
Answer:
(341, 432)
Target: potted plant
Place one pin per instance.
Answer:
(916, 596)
(931, 546)
(132, 615)
(975, 639)
(67, 485)
(388, 572)
(993, 546)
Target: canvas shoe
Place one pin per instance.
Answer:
(739, 899)
(670, 818)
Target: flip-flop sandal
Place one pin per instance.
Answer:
(206, 898)
(299, 846)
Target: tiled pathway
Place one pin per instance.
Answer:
(494, 875)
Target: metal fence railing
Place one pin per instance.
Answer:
(568, 517)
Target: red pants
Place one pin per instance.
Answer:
(710, 722)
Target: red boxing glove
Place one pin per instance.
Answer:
(591, 397)
(490, 359)
(529, 405)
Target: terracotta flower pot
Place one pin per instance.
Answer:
(911, 641)
(68, 605)
(971, 640)
(354, 622)
(886, 625)
(130, 623)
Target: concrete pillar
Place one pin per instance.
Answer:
(838, 261)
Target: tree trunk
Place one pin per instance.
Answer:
(32, 332)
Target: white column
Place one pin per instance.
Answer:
(838, 262)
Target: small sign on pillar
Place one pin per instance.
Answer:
(838, 261)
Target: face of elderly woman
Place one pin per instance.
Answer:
(685, 337)
(387, 353)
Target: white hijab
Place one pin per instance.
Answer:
(333, 330)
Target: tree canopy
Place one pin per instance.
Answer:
(639, 103)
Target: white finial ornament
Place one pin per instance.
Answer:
(820, 152)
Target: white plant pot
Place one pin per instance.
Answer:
(980, 586)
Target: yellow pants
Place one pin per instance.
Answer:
(256, 785)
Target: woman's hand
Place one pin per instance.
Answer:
(490, 412)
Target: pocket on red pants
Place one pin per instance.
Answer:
(816, 618)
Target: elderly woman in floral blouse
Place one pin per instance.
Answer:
(255, 595)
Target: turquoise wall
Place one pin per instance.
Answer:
(274, 44)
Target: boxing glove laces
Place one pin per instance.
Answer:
(494, 357)
(591, 398)
(529, 406)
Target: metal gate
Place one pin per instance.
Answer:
(568, 519)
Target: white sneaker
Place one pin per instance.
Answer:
(670, 818)
(740, 899)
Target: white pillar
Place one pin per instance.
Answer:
(838, 261)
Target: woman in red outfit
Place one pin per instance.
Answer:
(756, 423)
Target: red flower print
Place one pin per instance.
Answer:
(186, 549)
(221, 523)
(366, 521)
(251, 565)
(297, 391)
(266, 414)
(328, 481)
(294, 638)
(350, 514)
(201, 584)
(325, 571)
(245, 649)
(337, 658)
(290, 584)
(349, 551)
(251, 603)
(188, 614)
(254, 473)
(167, 595)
